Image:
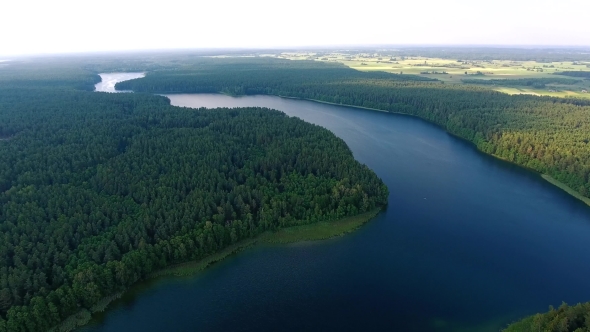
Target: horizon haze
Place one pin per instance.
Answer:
(33, 27)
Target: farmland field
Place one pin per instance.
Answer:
(456, 70)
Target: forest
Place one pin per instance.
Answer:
(584, 74)
(545, 134)
(99, 190)
(563, 319)
(538, 83)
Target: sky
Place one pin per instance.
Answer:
(66, 26)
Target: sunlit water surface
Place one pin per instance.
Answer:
(110, 79)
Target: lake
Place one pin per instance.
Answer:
(108, 81)
(467, 243)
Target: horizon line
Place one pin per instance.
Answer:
(388, 47)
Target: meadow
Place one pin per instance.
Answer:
(456, 70)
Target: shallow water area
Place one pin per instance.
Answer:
(467, 243)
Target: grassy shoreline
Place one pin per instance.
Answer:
(566, 188)
(310, 232)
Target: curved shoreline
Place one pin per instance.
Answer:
(294, 234)
(545, 176)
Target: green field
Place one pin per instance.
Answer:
(455, 70)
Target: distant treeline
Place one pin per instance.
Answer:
(549, 135)
(585, 74)
(99, 190)
(538, 83)
(434, 72)
(47, 74)
(491, 53)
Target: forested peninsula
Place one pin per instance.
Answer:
(545, 134)
(98, 191)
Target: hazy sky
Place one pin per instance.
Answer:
(31, 26)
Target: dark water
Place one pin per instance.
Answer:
(467, 243)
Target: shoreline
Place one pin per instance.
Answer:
(546, 177)
(565, 188)
(345, 105)
(294, 234)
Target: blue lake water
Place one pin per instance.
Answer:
(467, 243)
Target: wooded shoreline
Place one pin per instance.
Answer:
(546, 177)
(311, 232)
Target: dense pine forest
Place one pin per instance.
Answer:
(549, 135)
(99, 190)
(563, 319)
(537, 83)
